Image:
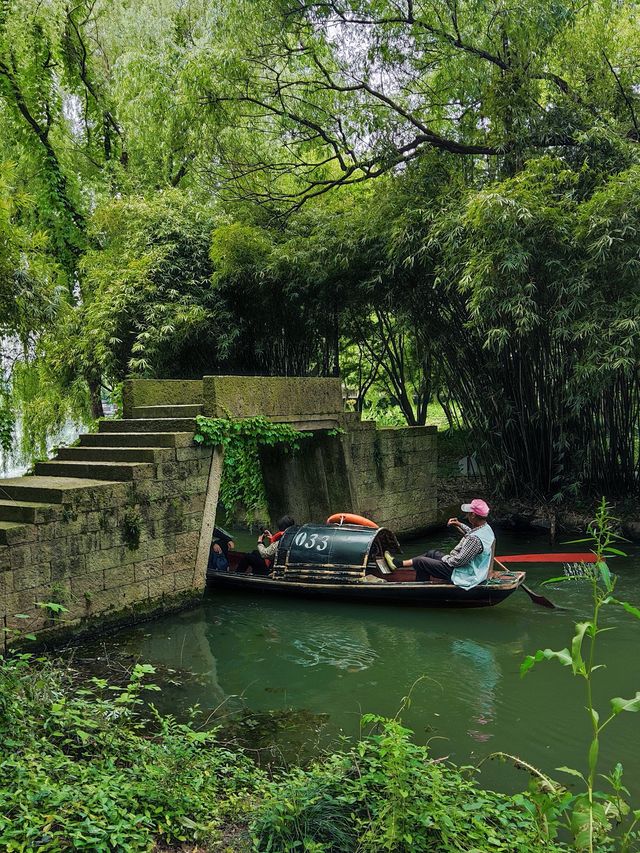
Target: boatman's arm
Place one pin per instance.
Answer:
(462, 528)
(268, 552)
(466, 549)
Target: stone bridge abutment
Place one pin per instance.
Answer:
(118, 527)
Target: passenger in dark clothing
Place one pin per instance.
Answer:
(258, 562)
(221, 543)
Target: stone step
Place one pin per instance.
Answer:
(136, 439)
(114, 471)
(173, 411)
(27, 512)
(116, 454)
(46, 489)
(5, 529)
(148, 425)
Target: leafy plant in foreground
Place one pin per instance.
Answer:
(592, 813)
(94, 768)
(387, 794)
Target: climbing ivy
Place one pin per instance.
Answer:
(242, 481)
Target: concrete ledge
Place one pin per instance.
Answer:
(271, 396)
(160, 392)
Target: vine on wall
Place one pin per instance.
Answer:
(242, 480)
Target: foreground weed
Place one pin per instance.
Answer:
(591, 814)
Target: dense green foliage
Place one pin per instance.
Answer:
(189, 190)
(242, 484)
(92, 767)
(86, 768)
(388, 795)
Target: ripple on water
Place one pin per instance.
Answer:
(341, 652)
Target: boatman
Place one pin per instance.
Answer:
(469, 563)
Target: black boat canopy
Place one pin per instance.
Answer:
(331, 548)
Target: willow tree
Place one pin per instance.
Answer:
(89, 109)
(326, 93)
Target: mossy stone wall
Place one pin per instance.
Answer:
(271, 396)
(388, 475)
(81, 553)
(160, 392)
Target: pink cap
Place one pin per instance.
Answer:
(477, 507)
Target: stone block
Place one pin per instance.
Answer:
(168, 471)
(105, 495)
(144, 472)
(248, 396)
(147, 570)
(110, 539)
(185, 541)
(67, 567)
(159, 547)
(6, 588)
(185, 580)
(31, 577)
(82, 543)
(162, 585)
(88, 583)
(178, 561)
(36, 622)
(104, 601)
(99, 560)
(119, 576)
(5, 558)
(197, 452)
(160, 392)
(195, 485)
(134, 593)
(20, 557)
(147, 491)
(20, 534)
(50, 530)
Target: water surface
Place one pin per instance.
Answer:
(299, 674)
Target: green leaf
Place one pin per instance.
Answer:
(572, 772)
(634, 611)
(577, 662)
(616, 551)
(618, 704)
(563, 656)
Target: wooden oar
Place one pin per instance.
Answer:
(587, 557)
(542, 600)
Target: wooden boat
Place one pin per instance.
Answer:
(345, 561)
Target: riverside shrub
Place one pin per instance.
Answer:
(388, 794)
(97, 768)
(89, 769)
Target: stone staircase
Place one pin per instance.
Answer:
(121, 451)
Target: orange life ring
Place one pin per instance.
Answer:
(350, 518)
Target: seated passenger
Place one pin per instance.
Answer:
(259, 561)
(468, 564)
(221, 543)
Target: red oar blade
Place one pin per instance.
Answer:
(587, 557)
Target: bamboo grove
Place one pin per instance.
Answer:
(439, 200)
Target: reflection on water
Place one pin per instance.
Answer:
(482, 668)
(307, 670)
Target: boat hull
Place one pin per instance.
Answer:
(387, 592)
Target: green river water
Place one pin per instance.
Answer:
(288, 677)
